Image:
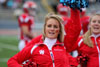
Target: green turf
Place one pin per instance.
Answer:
(9, 40)
(5, 53)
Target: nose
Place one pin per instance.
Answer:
(52, 28)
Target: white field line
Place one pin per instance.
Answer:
(4, 59)
(7, 46)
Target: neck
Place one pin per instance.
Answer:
(95, 35)
(50, 39)
(50, 42)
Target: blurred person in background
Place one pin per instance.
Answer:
(49, 51)
(10, 3)
(63, 11)
(84, 21)
(4, 3)
(26, 22)
(16, 4)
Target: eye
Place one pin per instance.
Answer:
(55, 26)
(99, 22)
(49, 25)
(93, 21)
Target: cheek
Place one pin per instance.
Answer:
(57, 31)
(90, 25)
(46, 29)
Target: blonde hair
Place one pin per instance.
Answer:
(86, 37)
(59, 19)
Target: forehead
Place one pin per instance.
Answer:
(96, 17)
(52, 21)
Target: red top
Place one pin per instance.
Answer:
(92, 53)
(27, 20)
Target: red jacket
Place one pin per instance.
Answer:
(73, 28)
(93, 54)
(48, 58)
(73, 31)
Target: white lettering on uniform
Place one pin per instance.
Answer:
(41, 52)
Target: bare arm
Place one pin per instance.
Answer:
(27, 32)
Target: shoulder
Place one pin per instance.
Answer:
(37, 39)
(24, 17)
(36, 45)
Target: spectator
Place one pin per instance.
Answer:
(4, 3)
(84, 21)
(26, 21)
(63, 12)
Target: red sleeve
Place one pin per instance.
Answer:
(72, 60)
(34, 40)
(77, 45)
(18, 59)
(73, 29)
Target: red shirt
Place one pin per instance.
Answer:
(27, 20)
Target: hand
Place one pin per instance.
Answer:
(30, 64)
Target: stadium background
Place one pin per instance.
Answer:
(9, 26)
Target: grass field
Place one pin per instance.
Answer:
(8, 47)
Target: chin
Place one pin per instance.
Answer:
(96, 32)
(52, 37)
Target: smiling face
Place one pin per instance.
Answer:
(95, 24)
(52, 28)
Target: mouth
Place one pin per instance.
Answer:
(51, 33)
(96, 28)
